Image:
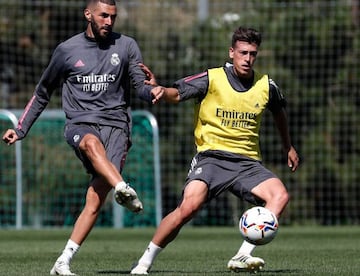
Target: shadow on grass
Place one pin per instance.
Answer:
(282, 272)
(178, 272)
(113, 272)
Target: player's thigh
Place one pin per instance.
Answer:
(269, 189)
(251, 174)
(74, 135)
(194, 195)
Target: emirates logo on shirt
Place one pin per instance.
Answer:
(96, 82)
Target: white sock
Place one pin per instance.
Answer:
(120, 185)
(69, 251)
(245, 248)
(150, 254)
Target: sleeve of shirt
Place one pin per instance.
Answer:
(136, 74)
(277, 100)
(194, 86)
(49, 81)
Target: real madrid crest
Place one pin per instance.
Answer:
(115, 60)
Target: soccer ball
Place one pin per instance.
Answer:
(258, 225)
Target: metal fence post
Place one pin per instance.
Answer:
(18, 159)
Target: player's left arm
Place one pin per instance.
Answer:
(281, 123)
(277, 105)
(136, 73)
(158, 92)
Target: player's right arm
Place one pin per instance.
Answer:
(49, 80)
(194, 86)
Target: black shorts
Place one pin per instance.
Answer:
(116, 142)
(223, 171)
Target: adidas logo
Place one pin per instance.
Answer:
(79, 63)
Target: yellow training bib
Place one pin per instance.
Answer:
(229, 120)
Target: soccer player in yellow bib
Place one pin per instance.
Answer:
(230, 103)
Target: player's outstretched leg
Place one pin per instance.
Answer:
(245, 262)
(127, 197)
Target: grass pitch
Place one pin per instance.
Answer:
(310, 250)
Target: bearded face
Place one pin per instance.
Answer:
(101, 18)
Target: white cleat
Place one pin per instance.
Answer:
(127, 197)
(140, 269)
(61, 268)
(246, 263)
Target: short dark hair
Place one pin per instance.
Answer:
(108, 2)
(249, 35)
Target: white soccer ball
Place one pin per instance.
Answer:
(258, 225)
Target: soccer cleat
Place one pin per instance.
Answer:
(140, 269)
(61, 268)
(246, 262)
(127, 197)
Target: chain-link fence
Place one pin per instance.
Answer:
(310, 49)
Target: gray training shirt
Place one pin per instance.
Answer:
(96, 80)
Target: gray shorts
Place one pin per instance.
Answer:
(223, 171)
(116, 142)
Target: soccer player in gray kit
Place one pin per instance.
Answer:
(96, 69)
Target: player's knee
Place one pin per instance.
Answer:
(284, 198)
(187, 211)
(93, 203)
(280, 199)
(89, 143)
